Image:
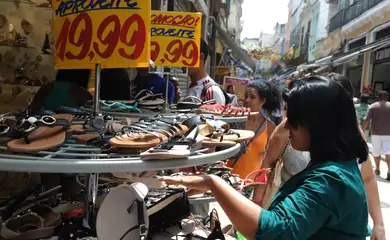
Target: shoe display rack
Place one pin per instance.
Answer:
(78, 158)
(71, 157)
(180, 116)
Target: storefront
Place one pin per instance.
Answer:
(381, 70)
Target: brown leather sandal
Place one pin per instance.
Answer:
(41, 134)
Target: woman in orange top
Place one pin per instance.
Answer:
(258, 96)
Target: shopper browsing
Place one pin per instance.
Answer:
(326, 200)
(202, 85)
(154, 83)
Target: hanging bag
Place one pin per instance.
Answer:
(274, 180)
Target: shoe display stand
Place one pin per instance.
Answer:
(72, 157)
(181, 116)
(78, 158)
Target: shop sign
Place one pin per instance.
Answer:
(382, 54)
(222, 70)
(115, 34)
(239, 85)
(297, 53)
(175, 38)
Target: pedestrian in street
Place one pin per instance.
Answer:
(202, 85)
(379, 116)
(326, 200)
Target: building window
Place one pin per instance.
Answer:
(357, 44)
(382, 34)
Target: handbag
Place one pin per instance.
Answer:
(274, 180)
(172, 207)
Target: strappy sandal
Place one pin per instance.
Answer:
(137, 137)
(147, 99)
(215, 109)
(232, 111)
(90, 123)
(40, 133)
(8, 131)
(174, 149)
(116, 106)
(191, 102)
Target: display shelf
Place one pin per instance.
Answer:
(182, 116)
(77, 158)
(201, 200)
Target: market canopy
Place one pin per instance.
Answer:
(351, 55)
(237, 51)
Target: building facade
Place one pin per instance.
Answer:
(235, 24)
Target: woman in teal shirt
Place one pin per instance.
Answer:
(327, 200)
(68, 90)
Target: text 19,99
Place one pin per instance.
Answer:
(104, 43)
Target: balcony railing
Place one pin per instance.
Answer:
(345, 16)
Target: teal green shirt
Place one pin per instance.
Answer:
(325, 201)
(59, 96)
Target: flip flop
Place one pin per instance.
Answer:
(43, 137)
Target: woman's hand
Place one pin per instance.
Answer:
(378, 233)
(201, 183)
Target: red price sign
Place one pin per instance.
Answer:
(175, 38)
(86, 34)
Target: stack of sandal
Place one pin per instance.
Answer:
(219, 134)
(225, 111)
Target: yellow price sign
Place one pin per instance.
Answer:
(175, 38)
(115, 34)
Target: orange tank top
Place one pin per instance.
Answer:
(251, 160)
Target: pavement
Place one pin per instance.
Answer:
(384, 196)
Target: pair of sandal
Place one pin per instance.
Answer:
(32, 133)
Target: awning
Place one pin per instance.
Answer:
(200, 6)
(354, 54)
(324, 61)
(237, 51)
(238, 64)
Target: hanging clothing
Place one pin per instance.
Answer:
(59, 96)
(251, 160)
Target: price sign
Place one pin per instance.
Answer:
(115, 34)
(175, 38)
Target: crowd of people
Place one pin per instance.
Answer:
(329, 186)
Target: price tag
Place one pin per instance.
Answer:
(115, 34)
(175, 38)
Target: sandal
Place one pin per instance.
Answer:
(191, 102)
(39, 222)
(175, 149)
(40, 133)
(232, 111)
(139, 137)
(147, 99)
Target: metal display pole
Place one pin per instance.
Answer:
(96, 102)
(91, 186)
(166, 103)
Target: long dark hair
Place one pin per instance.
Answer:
(115, 84)
(270, 93)
(76, 76)
(326, 109)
